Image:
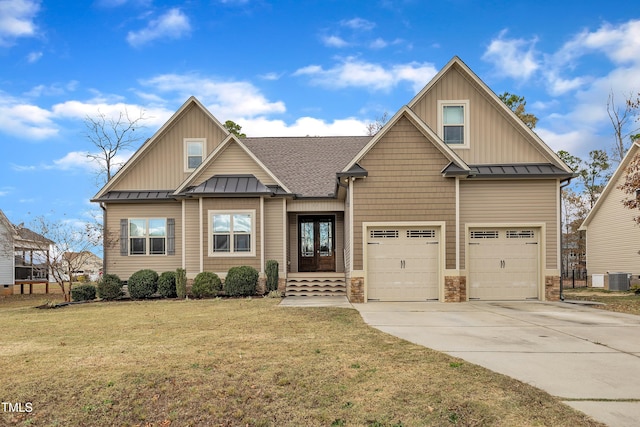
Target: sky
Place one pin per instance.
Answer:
(285, 68)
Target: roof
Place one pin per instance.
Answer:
(307, 165)
(518, 170)
(26, 234)
(135, 196)
(230, 185)
(633, 150)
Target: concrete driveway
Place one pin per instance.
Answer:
(589, 358)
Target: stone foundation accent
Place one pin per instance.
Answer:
(261, 287)
(552, 288)
(455, 289)
(355, 290)
(282, 285)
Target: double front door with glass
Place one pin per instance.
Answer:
(316, 243)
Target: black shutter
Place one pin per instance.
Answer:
(171, 236)
(124, 237)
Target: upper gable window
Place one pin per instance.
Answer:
(453, 123)
(194, 149)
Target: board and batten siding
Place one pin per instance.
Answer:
(274, 232)
(222, 264)
(161, 166)
(515, 201)
(405, 183)
(125, 266)
(7, 268)
(233, 160)
(613, 238)
(494, 138)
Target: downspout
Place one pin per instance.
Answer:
(561, 232)
(104, 243)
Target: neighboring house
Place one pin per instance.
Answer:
(613, 237)
(453, 199)
(23, 255)
(86, 264)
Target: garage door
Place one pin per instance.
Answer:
(503, 263)
(402, 263)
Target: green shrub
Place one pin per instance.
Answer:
(241, 281)
(109, 287)
(181, 283)
(142, 284)
(271, 269)
(167, 284)
(83, 293)
(206, 284)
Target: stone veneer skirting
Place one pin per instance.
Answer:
(355, 290)
(455, 288)
(552, 288)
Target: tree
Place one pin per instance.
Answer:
(631, 186)
(624, 133)
(234, 128)
(375, 126)
(70, 251)
(111, 136)
(595, 174)
(517, 105)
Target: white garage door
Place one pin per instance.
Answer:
(402, 263)
(503, 263)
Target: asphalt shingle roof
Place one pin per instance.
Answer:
(307, 165)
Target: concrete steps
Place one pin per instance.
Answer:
(316, 284)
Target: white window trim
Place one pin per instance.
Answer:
(147, 237)
(210, 251)
(186, 143)
(455, 103)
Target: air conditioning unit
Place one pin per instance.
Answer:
(619, 281)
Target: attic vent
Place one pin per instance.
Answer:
(384, 234)
(416, 234)
(484, 234)
(521, 234)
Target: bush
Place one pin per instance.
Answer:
(109, 287)
(241, 281)
(206, 284)
(83, 293)
(271, 270)
(167, 284)
(181, 283)
(142, 284)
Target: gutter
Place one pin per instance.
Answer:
(566, 183)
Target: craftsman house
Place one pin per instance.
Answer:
(454, 199)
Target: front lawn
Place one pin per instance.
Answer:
(242, 362)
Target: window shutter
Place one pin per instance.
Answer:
(171, 236)
(124, 237)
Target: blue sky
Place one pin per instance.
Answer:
(286, 68)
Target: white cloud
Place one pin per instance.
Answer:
(34, 57)
(271, 76)
(358, 24)
(25, 120)
(55, 89)
(378, 43)
(224, 99)
(515, 58)
(172, 25)
(17, 19)
(354, 73)
(334, 41)
(154, 116)
(261, 126)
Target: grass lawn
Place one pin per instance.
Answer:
(242, 362)
(622, 302)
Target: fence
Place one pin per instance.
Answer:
(576, 278)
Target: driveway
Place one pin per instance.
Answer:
(587, 357)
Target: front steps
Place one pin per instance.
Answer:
(316, 284)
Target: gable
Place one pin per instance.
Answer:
(496, 135)
(159, 163)
(232, 160)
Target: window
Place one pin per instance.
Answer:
(148, 236)
(194, 149)
(453, 123)
(232, 233)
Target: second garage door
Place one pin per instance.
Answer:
(403, 263)
(503, 263)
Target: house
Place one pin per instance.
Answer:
(454, 199)
(85, 263)
(23, 255)
(613, 237)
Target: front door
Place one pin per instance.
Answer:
(316, 243)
